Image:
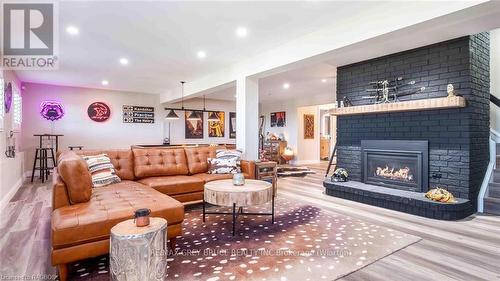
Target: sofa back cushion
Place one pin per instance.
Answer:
(153, 162)
(75, 174)
(197, 158)
(122, 160)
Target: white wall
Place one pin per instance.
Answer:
(305, 152)
(308, 149)
(11, 169)
(77, 127)
(177, 127)
(495, 77)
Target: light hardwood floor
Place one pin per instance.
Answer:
(461, 250)
(449, 250)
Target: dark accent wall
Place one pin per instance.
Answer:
(458, 138)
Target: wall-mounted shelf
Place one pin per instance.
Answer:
(413, 105)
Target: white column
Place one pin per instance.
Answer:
(247, 117)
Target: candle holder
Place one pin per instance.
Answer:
(238, 179)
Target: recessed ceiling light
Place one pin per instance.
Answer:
(123, 61)
(72, 30)
(201, 54)
(323, 80)
(105, 82)
(286, 86)
(241, 32)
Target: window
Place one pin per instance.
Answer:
(2, 106)
(17, 108)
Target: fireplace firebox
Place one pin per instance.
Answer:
(396, 164)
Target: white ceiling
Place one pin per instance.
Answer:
(305, 81)
(161, 39)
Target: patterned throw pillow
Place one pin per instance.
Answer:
(222, 166)
(101, 169)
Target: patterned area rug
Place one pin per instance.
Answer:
(305, 243)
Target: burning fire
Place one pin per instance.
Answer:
(402, 174)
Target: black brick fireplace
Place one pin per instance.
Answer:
(396, 164)
(457, 139)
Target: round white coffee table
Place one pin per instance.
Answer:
(224, 193)
(138, 253)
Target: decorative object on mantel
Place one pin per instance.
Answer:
(308, 126)
(8, 97)
(385, 91)
(440, 195)
(412, 105)
(138, 114)
(51, 110)
(450, 90)
(340, 175)
(98, 111)
(346, 102)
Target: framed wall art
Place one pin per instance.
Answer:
(308, 126)
(232, 125)
(98, 111)
(216, 128)
(278, 119)
(193, 128)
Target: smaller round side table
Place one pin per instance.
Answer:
(139, 253)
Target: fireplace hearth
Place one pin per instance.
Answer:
(396, 164)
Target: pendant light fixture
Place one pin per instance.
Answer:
(193, 116)
(211, 114)
(171, 114)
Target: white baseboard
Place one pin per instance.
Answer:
(11, 193)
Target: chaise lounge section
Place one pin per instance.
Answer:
(163, 180)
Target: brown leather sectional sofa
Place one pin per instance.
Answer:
(162, 180)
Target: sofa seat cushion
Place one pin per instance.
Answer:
(213, 177)
(109, 205)
(172, 185)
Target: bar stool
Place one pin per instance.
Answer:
(72, 147)
(41, 154)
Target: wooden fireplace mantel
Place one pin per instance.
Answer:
(412, 105)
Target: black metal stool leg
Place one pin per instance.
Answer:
(34, 165)
(47, 170)
(203, 209)
(42, 165)
(234, 216)
(53, 157)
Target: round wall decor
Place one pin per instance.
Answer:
(51, 110)
(99, 111)
(8, 97)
